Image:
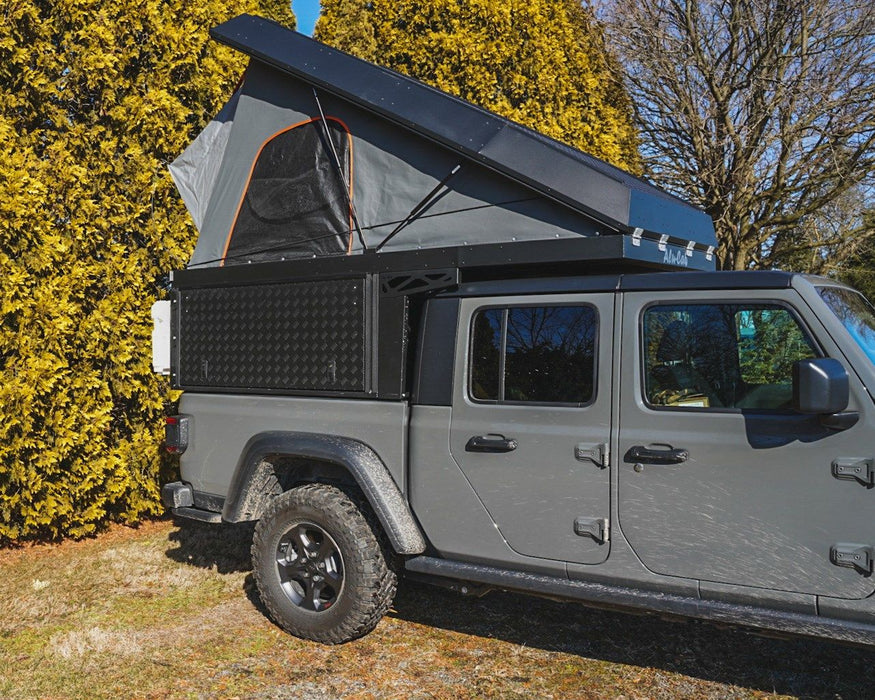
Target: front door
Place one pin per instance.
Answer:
(531, 420)
(719, 479)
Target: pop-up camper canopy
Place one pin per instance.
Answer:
(321, 154)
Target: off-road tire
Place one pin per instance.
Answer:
(344, 608)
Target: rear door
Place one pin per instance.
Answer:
(531, 419)
(719, 479)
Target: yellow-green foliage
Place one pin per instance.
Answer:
(542, 63)
(97, 97)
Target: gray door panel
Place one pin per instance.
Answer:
(552, 478)
(756, 502)
(449, 512)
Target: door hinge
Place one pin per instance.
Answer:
(597, 453)
(855, 469)
(597, 528)
(853, 556)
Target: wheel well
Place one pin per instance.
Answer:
(276, 474)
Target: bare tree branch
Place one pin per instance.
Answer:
(762, 112)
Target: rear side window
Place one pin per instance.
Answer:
(534, 354)
(722, 355)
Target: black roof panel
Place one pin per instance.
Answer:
(729, 279)
(634, 282)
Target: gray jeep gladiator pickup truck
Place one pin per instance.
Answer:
(485, 358)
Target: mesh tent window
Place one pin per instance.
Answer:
(295, 203)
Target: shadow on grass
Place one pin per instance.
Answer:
(223, 547)
(799, 667)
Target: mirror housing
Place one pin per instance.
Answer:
(821, 386)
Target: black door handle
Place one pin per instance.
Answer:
(641, 454)
(490, 443)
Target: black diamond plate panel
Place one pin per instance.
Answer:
(305, 336)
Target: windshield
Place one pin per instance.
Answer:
(855, 313)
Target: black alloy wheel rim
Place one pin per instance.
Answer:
(310, 567)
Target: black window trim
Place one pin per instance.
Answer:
(728, 302)
(535, 404)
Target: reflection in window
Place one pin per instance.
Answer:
(543, 354)
(722, 355)
(486, 361)
(856, 315)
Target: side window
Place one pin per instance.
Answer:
(534, 354)
(722, 355)
(295, 202)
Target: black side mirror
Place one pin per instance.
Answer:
(821, 386)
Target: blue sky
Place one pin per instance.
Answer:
(306, 11)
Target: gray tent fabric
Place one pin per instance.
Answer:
(195, 171)
(391, 172)
(292, 167)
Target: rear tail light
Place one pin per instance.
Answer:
(176, 434)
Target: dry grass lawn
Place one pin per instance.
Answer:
(168, 610)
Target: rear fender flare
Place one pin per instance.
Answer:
(353, 456)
